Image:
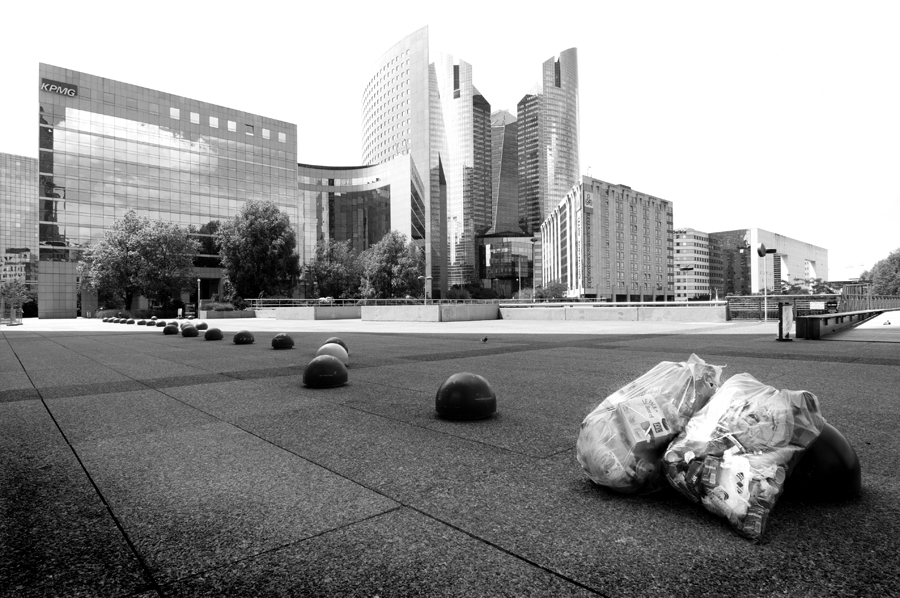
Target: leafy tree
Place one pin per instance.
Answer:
(455, 292)
(885, 275)
(257, 250)
(552, 290)
(14, 293)
(807, 286)
(336, 269)
(169, 262)
(391, 268)
(137, 257)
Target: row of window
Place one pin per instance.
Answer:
(250, 130)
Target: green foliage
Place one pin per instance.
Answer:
(16, 292)
(457, 293)
(137, 257)
(807, 286)
(257, 250)
(552, 290)
(336, 269)
(885, 275)
(391, 268)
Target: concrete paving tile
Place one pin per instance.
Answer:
(77, 390)
(107, 416)
(19, 394)
(400, 553)
(70, 374)
(58, 538)
(239, 398)
(15, 381)
(199, 498)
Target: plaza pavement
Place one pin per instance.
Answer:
(138, 464)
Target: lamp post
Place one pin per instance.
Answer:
(761, 251)
(533, 281)
(426, 286)
(198, 297)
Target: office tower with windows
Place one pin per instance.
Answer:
(108, 147)
(19, 225)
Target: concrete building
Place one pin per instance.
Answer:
(108, 147)
(698, 265)
(610, 242)
(744, 272)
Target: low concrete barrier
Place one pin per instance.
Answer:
(401, 313)
(219, 315)
(467, 312)
(311, 312)
(699, 313)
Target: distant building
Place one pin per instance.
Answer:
(698, 265)
(19, 224)
(610, 242)
(744, 272)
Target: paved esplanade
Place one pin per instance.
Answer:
(139, 464)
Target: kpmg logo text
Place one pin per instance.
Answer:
(61, 88)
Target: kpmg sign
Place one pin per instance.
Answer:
(61, 88)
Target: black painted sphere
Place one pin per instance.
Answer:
(465, 396)
(282, 341)
(190, 331)
(213, 334)
(338, 341)
(161, 323)
(243, 338)
(170, 329)
(828, 470)
(202, 326)
(141, 322)
(325, 371)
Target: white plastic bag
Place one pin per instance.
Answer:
(736, 452)
(621, 442)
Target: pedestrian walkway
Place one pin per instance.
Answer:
(884, 328)
(134, 463)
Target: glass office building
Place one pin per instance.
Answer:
(19, 225)
(107, 147)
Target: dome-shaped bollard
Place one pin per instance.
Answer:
(213, 334)
(828, 470)
(190, 331)
(325, 371)
(171, 329)
(185, 324)
(161, 323)
(465, 396)
(152, 317)
(282, 341)
(338, 341)
(202, 326)
(243, 338)
(335, 350)
(141, 322)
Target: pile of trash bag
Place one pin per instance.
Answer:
(729, 446)
(621, 442)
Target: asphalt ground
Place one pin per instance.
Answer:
(140, 464)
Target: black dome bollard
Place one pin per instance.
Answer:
(141, 322)
(282, 341)
(243, 338)
(213, 334)
(338, 341)
(202, 326)
(828, 470)
(325, 371)
(465, 396)
(170, 329)
(190, 331)
(335, 350)
(161, 323)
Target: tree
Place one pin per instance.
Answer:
(885, 275)
(392, 267)
(807, 286)
(137, 257)
(14, 293)
(169, 262)
(257, 249)
(552, 290)
(335, 269)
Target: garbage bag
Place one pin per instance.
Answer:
(621, 442)
(736, 452)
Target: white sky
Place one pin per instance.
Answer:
(778, 115)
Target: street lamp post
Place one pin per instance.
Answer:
(533, 279)
(761, 251)
(426, 287)
(198, 297)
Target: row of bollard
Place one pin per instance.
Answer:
(462, 396)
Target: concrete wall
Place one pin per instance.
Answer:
(310, 312)
(469, 312)
(221, 315)
(622, 314)
(401, 313)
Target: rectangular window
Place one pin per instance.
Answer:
(109, 98)
(266, 134)
(232, 126)
(195, 118)
(282, 137)
(248, 130)
(131, 103)
(154, 108)
(175, 113)
(214, 122)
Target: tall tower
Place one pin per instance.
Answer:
(504, 173)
